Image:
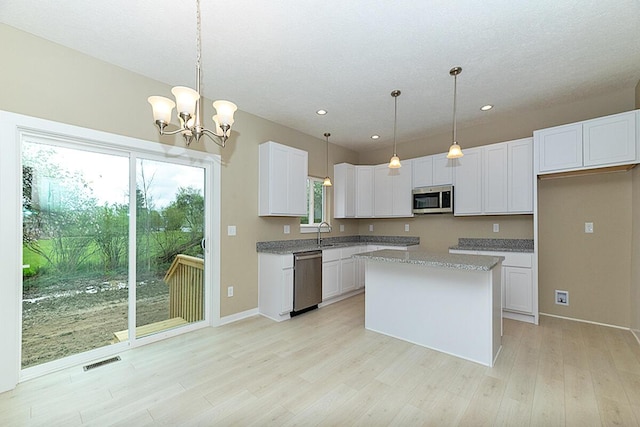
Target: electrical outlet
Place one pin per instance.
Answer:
(406, 227)
(370, 227)
(588, 227)
(496, 228)
(562, 297)
(341, 228)
(287, 229)
(231, 230)
(230, 291)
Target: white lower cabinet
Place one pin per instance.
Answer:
(343, 275)
(275, 285)
(330, 273)
(519, 297)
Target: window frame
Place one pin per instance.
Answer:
(313, 227)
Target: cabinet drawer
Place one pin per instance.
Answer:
(348, 252)
(330, 254)
(287, 261)
(517, 259)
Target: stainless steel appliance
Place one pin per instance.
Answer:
(427, 200)
(307, 281)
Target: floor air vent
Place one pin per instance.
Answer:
(101, 363)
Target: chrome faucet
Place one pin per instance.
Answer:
(319, 227)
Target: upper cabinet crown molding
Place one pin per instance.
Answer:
(602, 142)
(282, 178)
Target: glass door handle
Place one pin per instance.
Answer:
(203, 243)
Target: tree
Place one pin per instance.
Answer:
(111, 235)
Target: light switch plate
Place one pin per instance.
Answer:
(341, 228)
(231, 230)
(287, 229)
(370, 227)
(588, 227)
(496, 228)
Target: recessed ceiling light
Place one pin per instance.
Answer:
(321, 112)
(486, 107)
(374, 137)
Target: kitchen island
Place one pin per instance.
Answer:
(446, 302)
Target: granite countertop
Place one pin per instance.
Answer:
(283, 247)
(495, 245)
(434, 259)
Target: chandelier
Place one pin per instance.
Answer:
(187, 104)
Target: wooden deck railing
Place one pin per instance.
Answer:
(185, 278)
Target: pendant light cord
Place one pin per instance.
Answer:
(395, 120)
(455, 97)
(198, 36)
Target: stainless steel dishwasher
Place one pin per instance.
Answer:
(307, 281)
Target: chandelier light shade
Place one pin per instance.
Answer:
(455, 152)
(394, 163)
(188, 108)
(327, 180)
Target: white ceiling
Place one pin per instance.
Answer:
(285, 59)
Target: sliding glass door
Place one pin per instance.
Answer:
(75, 214)
(88, 284)
(169, 239)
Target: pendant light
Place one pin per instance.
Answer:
(327, 180)
(455, 152)
(394, 163)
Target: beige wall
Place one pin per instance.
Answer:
(439, 232)
(46, 80)
(635, 253)
(594, 268)
(635, 238)
(597, 293)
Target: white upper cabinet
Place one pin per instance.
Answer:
(383, 190)
(468, 189)
(605, 141)
(392, 190)
(344, 191)
(364, 191)
(432, 170)
(495, 179)
(560, 147)
(520, 176)
(401, 199)
(610, 140)
(282, 180)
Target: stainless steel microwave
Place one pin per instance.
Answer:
(427, 200)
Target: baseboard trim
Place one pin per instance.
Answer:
(237, 316)
(341, 297)
(585, 321)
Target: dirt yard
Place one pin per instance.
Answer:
(84, 317)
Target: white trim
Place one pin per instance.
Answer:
(13, 127)
(238, 316)
(340, 297)
(636, 333)
(521, 317)
(585, 321)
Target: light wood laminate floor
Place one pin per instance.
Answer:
(324, 368)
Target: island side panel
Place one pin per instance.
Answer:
(448, 310)
(496, 289)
